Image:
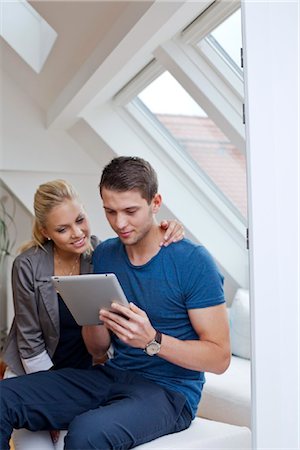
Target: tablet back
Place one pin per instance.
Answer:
(85, 295)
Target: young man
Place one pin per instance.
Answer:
(174, 330)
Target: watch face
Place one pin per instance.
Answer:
(152, 348)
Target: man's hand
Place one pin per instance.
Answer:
(131, 325)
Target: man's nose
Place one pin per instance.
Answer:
(121, 221)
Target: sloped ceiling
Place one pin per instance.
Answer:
(81, 26)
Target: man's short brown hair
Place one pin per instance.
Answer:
(128, 173)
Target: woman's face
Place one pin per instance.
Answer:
(68, 227)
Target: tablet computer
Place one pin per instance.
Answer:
(85, 295)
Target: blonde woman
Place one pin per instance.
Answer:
(44, 335)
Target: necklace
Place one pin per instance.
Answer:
(62, 270)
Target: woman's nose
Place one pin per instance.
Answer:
(76, 231)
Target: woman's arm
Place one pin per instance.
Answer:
(97, 340)
(30, 341)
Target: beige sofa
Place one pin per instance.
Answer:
(224, 412)
(203, 434)
(227, 397)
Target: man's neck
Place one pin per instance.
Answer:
(141, 252)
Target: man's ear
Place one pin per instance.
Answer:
(156, 203)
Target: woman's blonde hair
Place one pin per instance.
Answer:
(47, 196)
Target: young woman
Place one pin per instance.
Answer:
(44, 335)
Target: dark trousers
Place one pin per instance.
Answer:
(102, 408)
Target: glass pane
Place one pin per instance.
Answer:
(166, 95)
(227, 37)
(199, 137)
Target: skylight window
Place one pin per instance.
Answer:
(229, 36)
(26, 32)
(166, 95)
(227, 40)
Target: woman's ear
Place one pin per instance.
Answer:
(45, 233)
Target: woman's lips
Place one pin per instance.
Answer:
(79, 242)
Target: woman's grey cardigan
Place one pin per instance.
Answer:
(34, 333)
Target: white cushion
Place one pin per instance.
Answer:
(239, 318)
(203, 434)
(227, 397)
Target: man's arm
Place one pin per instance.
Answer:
(97, 340)
(211, 353)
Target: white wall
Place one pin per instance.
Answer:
(33, 154)
(28, 145)
(271, 49)
(18, 235)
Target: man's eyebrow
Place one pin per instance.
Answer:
(125, 209)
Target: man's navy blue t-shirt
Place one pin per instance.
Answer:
(178, 278)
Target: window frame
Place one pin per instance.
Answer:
(210, 216)
(194, 70)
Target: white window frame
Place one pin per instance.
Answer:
(124, 134)
(135, 136)
(220, 98)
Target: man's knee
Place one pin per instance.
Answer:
(83, 433)
(89, 431)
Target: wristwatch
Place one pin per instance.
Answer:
(154, 346)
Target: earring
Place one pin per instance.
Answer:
(49, 239)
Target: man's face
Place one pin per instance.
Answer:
(129, 215)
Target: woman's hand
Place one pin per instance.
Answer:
(174, 232)
(96, 339)
(54, 435)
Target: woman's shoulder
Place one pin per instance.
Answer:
(33, 256)
(94, 241)
(31, 252)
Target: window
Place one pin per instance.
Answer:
(160, 114)
(26, 32)
(203, 143)
(226, 39)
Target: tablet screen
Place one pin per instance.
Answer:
(85, 295)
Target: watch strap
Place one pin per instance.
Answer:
(158, 337)
(153, 347)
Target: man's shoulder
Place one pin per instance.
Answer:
(187, 253)
(187, 247)
(108, 245)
